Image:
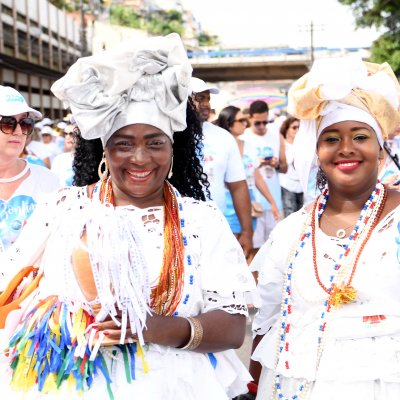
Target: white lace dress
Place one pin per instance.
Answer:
(216, 278)
(361, 349)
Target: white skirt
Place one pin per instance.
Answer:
(172, 375)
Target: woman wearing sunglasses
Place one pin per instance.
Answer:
(292, 192)
(232, 119)
(21, 183)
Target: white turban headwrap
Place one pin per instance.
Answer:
(336, 90)
(141, 82)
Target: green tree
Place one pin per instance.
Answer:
(380, 14)
(70, 5)
(165, 22)
(124, 16)
(205, 39)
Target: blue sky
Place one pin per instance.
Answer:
(256, 23)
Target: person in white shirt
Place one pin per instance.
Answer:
(271, 152)
(21, 183)
(48, 139)
(292, 192)
(62, 163)
(222, 164)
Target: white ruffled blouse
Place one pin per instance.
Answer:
(218, 279)
(362, 341)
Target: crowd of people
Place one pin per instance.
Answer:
(137, 231)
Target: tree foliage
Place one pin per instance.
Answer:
(70, 5)
(380, 14)
(165, 22)
(205, 39)
(124, 16)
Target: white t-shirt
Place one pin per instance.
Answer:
(291, 180)
(38, 149)
(15, 211)
(221, 161)
(53, 150)
(62, 167)
(267, 145)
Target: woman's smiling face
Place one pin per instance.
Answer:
(139, 158)
(349, 154)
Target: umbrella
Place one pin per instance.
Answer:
(274, 98)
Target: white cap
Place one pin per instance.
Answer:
(12, 103)
(61, 125)
(198, 85)
(46, 121)
(47, 130)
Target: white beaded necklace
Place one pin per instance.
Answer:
(18, 176)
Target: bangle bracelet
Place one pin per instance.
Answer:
(196, 334)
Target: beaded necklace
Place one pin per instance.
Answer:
(18, 176)
(339, 293)
(166, 295)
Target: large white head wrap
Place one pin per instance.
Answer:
(336, 90)
(140, 82)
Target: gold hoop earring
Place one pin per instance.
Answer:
(103, 168)
(170, 173)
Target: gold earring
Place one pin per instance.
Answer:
(170, 173)
(103, 168)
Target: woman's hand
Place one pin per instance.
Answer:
(155, 331)
(221, 331)
(275, 212)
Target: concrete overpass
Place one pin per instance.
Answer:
(252, 68)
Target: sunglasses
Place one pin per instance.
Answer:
(9, 124)
(242, 120)
(258, 123)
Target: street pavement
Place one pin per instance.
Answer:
(244, 351)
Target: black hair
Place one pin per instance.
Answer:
(88, 154)
(258, 107)
(321, 180)
(226, 117)
(188, 176)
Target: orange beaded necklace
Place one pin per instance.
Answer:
(343, 292)
(166, 295)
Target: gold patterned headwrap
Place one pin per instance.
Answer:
(340, 89)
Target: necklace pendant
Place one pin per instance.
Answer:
(342, 295)
(340, 233)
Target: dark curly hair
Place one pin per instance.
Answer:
(188, 176)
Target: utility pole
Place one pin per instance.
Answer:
(312, 42)
(311, 28)
(84, 46)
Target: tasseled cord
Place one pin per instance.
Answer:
(50, 347)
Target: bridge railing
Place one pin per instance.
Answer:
(270, 53)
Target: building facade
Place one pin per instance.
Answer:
(38, 43)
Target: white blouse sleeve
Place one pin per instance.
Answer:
(227, 282)
(28, 248)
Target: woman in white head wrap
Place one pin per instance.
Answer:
(329, 324)
(142, 283)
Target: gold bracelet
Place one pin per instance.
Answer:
(196, 334)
